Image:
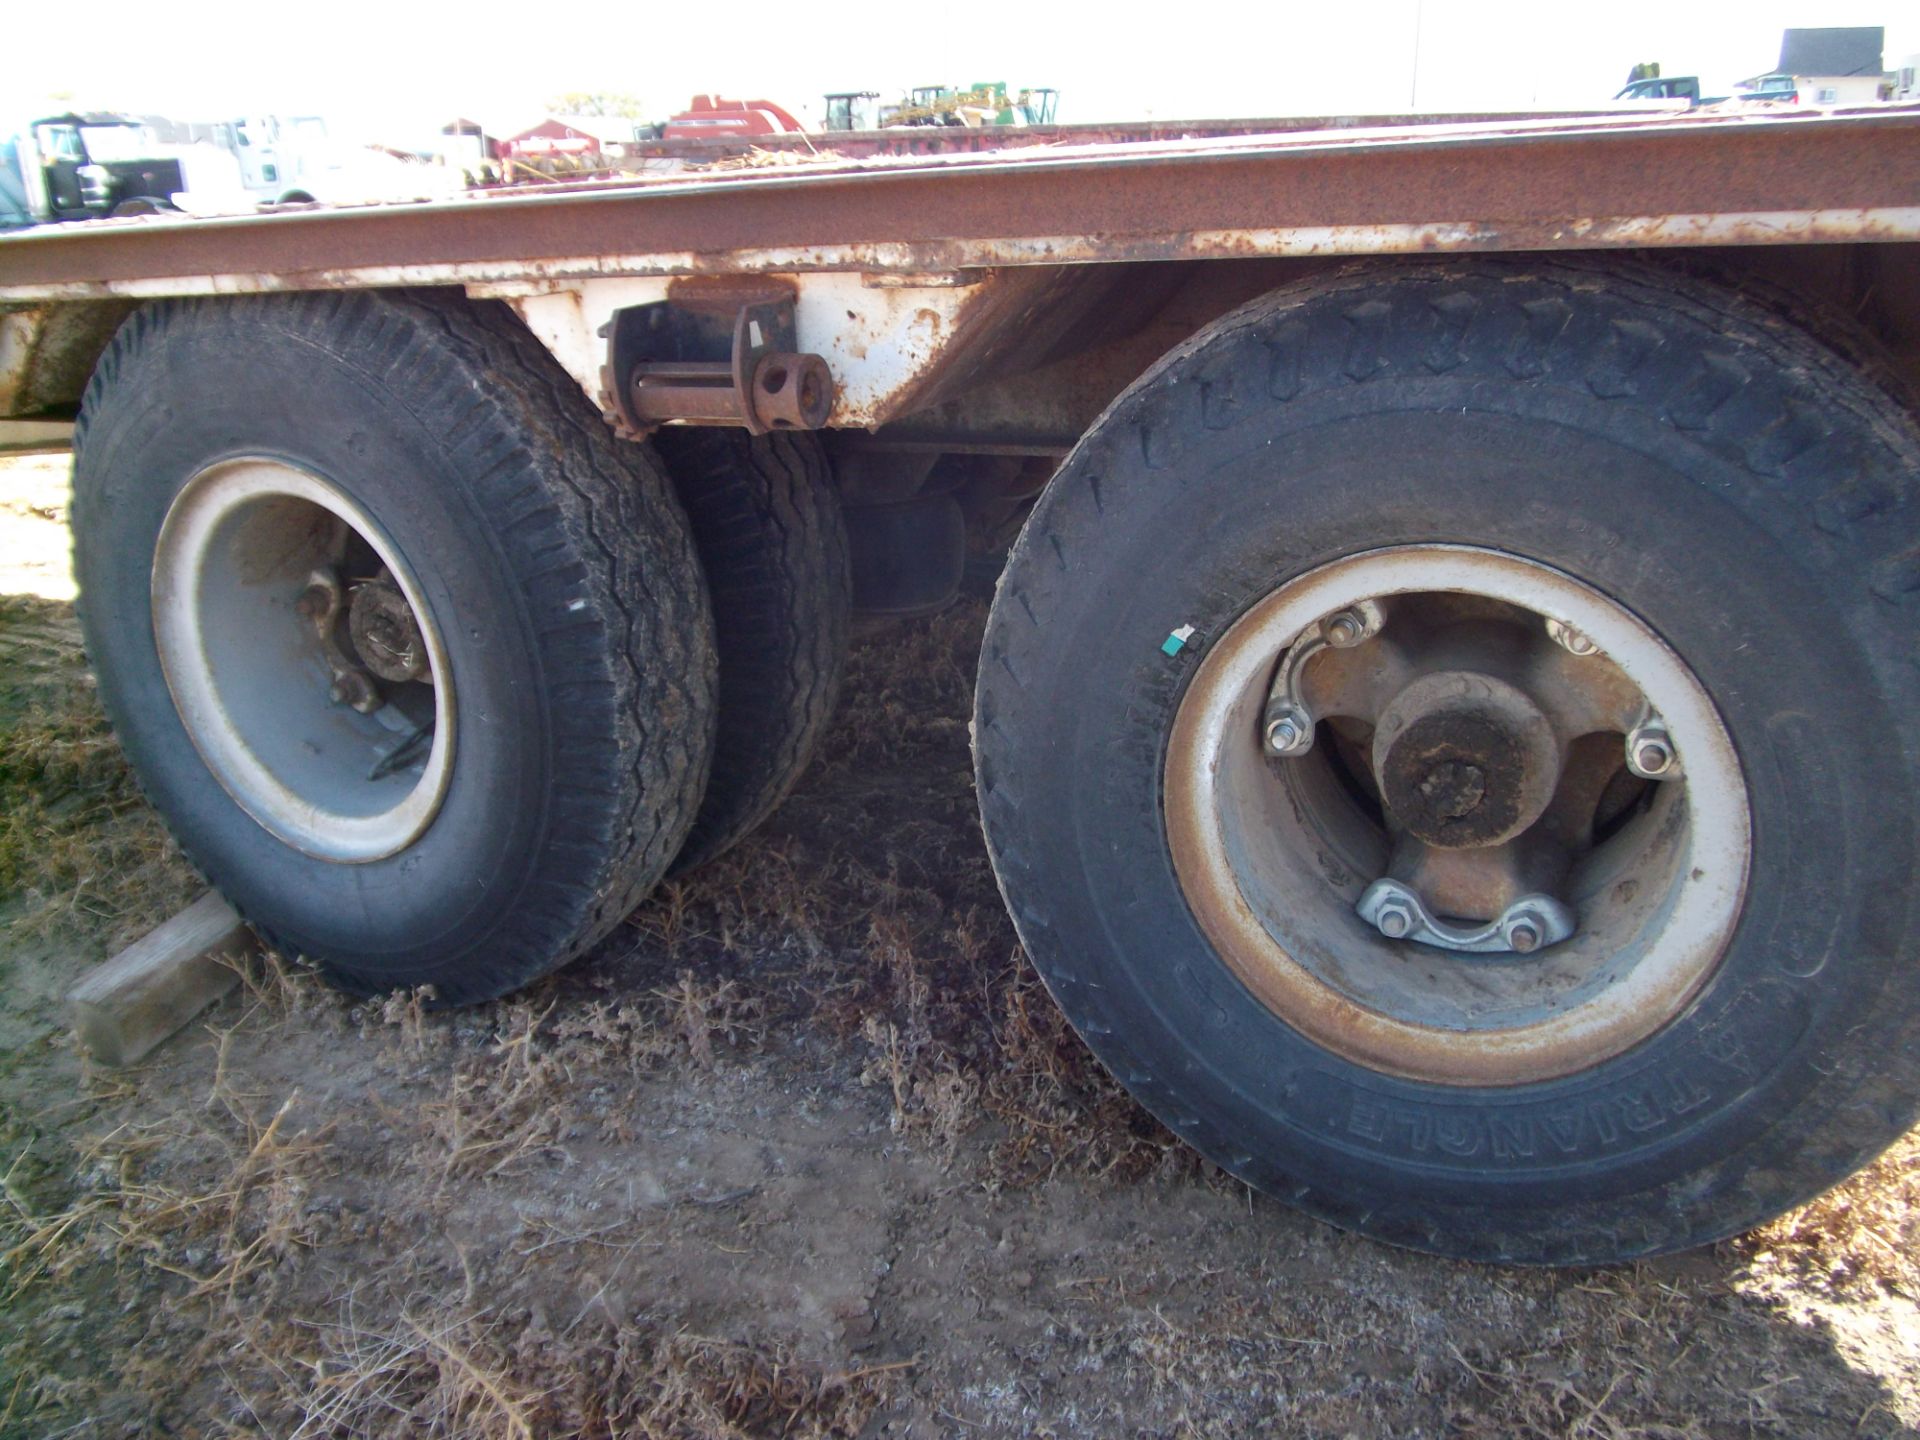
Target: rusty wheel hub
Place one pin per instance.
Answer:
(1415, 801)
(1462, 758)
(385, 633)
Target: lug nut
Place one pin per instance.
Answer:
(1650, 752)
(1344, 629)
(1284, 733)
(1394, 921)
(1524, 938)
(1569, 639)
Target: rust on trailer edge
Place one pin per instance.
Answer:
(947, 140)
(1771, 180)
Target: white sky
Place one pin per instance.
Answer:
(396, 70)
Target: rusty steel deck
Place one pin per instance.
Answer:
(952, 139)
(1590, 182)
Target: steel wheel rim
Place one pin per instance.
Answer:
(250, 678)
(1285, 925)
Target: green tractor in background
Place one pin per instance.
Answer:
(981, 104)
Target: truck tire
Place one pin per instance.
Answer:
(415, 662)
(1289, 623)
(773, 542)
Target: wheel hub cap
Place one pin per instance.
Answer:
(1464, 759)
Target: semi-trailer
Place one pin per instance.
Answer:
(1445, 731)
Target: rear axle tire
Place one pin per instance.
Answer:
(1709, 474)
(773, 543)
(414, 661)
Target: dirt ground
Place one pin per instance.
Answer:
(802, 1150)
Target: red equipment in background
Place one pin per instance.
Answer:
(709, 116)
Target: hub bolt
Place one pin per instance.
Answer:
(1344, 629)
(1572, 641)
(1524, 937)
(350, 687)
(1650, 752)
(1395, 921)
(1285, 733)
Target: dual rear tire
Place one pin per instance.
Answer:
(420, 665)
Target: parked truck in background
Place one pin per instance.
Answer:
(83, 167)
(294, 160)
(1448, 728)
(80, 167)
(282, 160)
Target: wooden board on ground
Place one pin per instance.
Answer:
(35, 437)
(149, 990)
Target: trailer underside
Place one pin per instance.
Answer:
(922, 279)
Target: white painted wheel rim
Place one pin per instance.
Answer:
(249, 679)
(1291, 936)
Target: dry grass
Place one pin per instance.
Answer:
(496, 1112)
(677, 1386)
(80, 852)
(460, 1376)
(392, 1359)
(501, 1109)
(246, 1258)
(213, 1208)
(438, 1377)
(1860, 1237)
(246, 1215)
(954, 1023)
(706, 1016)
